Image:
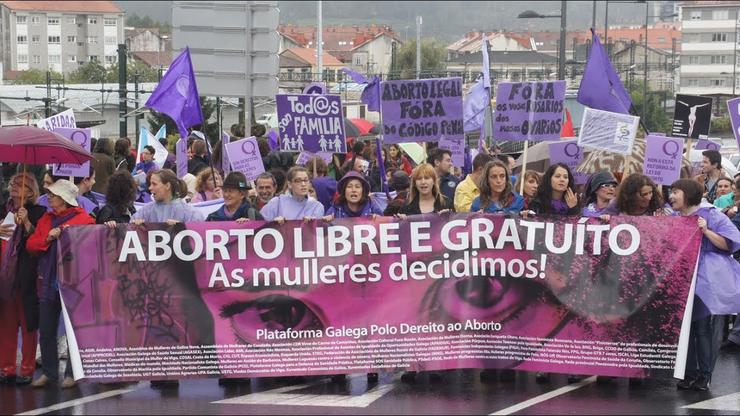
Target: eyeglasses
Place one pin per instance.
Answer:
(608, 185)
(299, 181)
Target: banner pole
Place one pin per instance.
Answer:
(524, 167)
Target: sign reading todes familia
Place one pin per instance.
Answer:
(311, 122)
(422, 110)
(529, 110)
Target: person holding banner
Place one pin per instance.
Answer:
(168, 206)
(65, 212)
(295, 204)
(531, 180)
(425, 196)
(496, 193)
(19, 302)
(353, 200)
(601, 190)
(236, 205)
(717, 282)
(147, 163)
(556, 194)
(206, 187)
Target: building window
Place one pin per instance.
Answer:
(358, 61)
(55, 59)
(22, 59)
(720, 14)
(55, 40)
(716, 83)
(36, 59)
(693, 83)
(92, 39)
(71, 39)
(696, 15)
(109, 22)
(110, 40)
(693, 60)
(35, 39)
(719, 37)
(92, 20)
(110, 59)
(71, 20)
(661, 39)
(72, 58)
(52, 21)
(93, 58)
(22, 40)
(721, 59)
(21, 20)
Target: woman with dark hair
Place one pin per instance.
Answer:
(424, 195)
(396, 159)
(43, 244)
(639, 195)
(122, 155)
(600, 191)
(717, 282)
(496, 193)
(168, 206)
(103, 164)
(147, 163)
(556, 193)
(353, 200)
(531, 180)
(19, 302)
(119, 200)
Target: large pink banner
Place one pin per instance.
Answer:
(433, 292)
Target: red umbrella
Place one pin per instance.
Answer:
(35, 146)
(365, 127)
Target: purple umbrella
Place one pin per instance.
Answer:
(35, 146)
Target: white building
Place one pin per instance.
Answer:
(59, 35)
(709, 48)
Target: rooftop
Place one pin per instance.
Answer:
(86, 7)
(308, 55)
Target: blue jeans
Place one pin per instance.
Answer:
(49, 312)
(705, 338)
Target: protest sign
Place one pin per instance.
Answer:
(706, 144)
(225, 163)
(311, 122)
(456, 147)
(244, 156)
(569, 153)
(212, 299)
(733, 107)
(529, 110)
(81, 137)
(608, 131)
(65, 119)
(663, 157)
(692, 116)
(421, 110)
(304, 157)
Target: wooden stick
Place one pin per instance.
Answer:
(524, 167)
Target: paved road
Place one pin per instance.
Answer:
(459, 392)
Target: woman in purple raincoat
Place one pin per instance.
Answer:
(717, 281)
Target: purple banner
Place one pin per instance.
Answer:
(421, 110)
(258, 299)
(81, 137)
(663, 157)
(733, 107)
(244, 156)
(311, 122)
(570, 153)
(457, 147)
(706, 144)
(529, 110)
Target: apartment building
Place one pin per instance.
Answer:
(59, 35)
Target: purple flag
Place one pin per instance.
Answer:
(272, 140)
(478, 99)
(181, 157)
(225, 165)
(600, 87)
(177, 94)
(371, 93)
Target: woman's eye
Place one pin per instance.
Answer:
(273, 313)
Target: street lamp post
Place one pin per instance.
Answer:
(530, 14)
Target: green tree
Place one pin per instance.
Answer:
(89, 73)
(147, 22)
(652, 114)
(432, 58)
(133, 66)
(207, 105)
(35, 76)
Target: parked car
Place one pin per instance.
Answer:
(270, 121)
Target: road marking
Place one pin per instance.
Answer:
(729, 403)
(80, 401)
(544, 397)
(283, 397)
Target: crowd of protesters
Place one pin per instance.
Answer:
(350, 186)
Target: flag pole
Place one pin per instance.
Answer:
(524, 167)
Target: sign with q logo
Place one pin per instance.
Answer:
(663, 157)
(244, 156)
(81, 137)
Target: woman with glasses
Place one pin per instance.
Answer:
(600, 191)
(295, 204)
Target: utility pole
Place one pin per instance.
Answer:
(561, 51)
(606, 29)
(644, 75)
(47, 103)
(319, 41)
(123, 126)
(593, 18)
(418, 47)
(136, 101)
